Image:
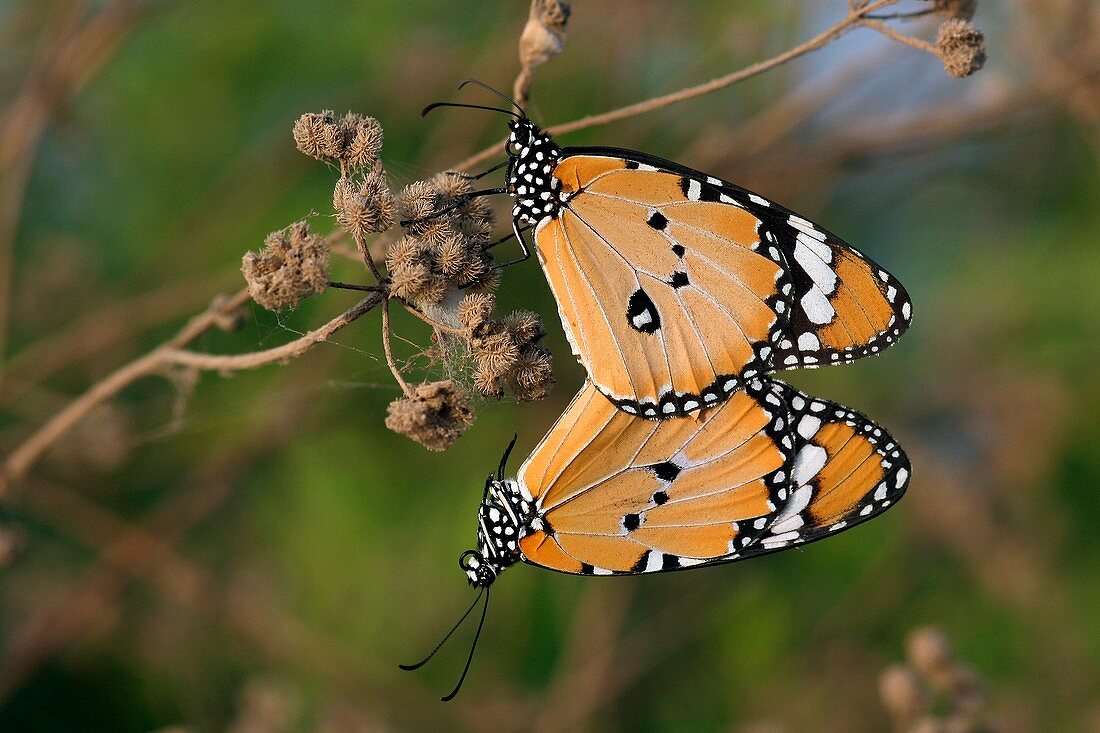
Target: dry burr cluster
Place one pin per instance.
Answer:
(438, 266)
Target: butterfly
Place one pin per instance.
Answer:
(675, 287)
(609, 493)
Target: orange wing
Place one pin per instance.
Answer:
(667, 301)
(675, 287)
(767, 469)
(618, 494)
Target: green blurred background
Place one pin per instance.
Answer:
(292, 550)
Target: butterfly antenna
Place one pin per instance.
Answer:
(473, 647)
(422, 662)
(502, 95)
(436, 105)
(504, 458)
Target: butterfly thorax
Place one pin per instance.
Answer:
(503, 519)
(533, 155)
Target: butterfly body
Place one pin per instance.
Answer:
(675, 287)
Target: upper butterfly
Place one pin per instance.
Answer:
(674, 287)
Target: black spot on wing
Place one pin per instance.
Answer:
(631, 165)
(678, 280)
(641, 313)
(678, 250)
(639, 567)
(631, 522)
(659, 497)
(667, 471)
(657, 220)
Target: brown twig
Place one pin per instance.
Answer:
(911, 41)
(388, 348)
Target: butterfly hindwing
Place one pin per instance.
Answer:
(617, 494)
(675, 287)
(768, 469)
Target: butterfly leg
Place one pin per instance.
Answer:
(478, 176)
(517, 231)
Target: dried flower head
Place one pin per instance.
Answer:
(363, 140)
(544, 35)
(525, 327)
(532, 377)
(475, 311)
(319, 135)
(961, 46)
(293, 265)
(496, 354)
(364, 206)
(903, 695)
(435, 415)
(416, 201)
(930, 653)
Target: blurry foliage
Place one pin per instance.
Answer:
(293, 550)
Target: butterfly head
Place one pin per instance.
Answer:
(532, 157)
(502, 519)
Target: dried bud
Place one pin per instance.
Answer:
(533, 375)
(319, 136)
(417, 201)
(525, 327)
(961, 46)
(294, 265)
(488, 383)
(453, 255)
(363, 136)
(364, 206)
(435, 415)
(903, 695)
(475, 310)
(930, 654)
(405, 252)
(544, 35)
(496, 354)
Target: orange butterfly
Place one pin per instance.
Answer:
(674, 287)
(608, 493)
(605, 493)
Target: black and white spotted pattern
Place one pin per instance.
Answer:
(532, 155)
(503, 519)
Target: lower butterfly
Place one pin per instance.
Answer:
(608, 493)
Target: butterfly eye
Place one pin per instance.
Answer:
(469, 560)
(512, 148)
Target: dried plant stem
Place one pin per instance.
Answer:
(854, 18)
(912, 42)
(387, 346)
(168, 355)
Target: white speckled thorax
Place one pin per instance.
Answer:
(533, 155)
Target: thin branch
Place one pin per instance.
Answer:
(157, 361)
(917, 43)
(854, 18)
(388, 348)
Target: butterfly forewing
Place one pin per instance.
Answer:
(675, 287)
(665, 300)
(767, 469)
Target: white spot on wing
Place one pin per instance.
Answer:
(817, 307)
(809, 461)
(808, 426)
(809, 342)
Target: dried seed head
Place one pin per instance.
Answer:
(488, 383)
(496, 354)
(525, 327)
(903, 695)
(488, 279)
(416, 201)
(319, 135)
(453, 255)
(450, 185)
(434, 231)
(930, 654)
(364, 206)
(363, 136)
(544, 35)
(961, 46)
(533, 375)
(473, 272)
(475, 311)
(405, 252)
(294, 265)
(435, 415)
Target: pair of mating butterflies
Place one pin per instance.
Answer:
(679, 294)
